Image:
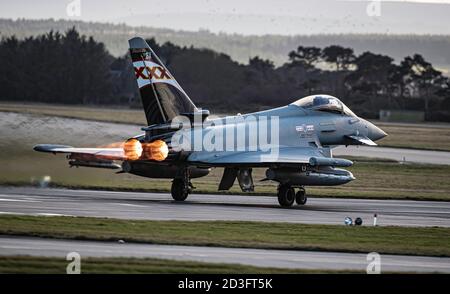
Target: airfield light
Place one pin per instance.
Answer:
(156, 150)
(348, 221)
(132, 149)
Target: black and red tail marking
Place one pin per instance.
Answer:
(162, 96)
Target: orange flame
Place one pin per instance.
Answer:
(112, 145)
(132, 149)
(156, 150)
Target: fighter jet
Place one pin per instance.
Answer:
(293, 143)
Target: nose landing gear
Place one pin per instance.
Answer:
(287, 195)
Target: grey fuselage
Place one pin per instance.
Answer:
(297, 127)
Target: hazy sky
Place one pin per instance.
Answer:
(285, 17)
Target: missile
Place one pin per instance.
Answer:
(329, 161)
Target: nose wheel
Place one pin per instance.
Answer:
(287, 195)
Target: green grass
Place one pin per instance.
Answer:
(432, 241)
(419, 136)
(121, 265)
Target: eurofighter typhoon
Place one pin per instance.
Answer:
(293, 143)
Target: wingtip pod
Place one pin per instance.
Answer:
(49, 147)
(38, 147)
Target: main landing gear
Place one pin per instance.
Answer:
(181, 187)
(287, 195)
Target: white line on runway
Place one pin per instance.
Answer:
(130, 205)
(51, 214)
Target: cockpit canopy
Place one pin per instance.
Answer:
(325, 103)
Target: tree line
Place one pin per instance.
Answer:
(274, 47)
(55, 68)
(74, 69)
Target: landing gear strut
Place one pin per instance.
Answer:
(181, 187)
(287, 195)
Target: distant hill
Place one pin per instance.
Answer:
(435, 48)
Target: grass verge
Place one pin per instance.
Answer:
(99, 113)
(433, 241)
(416, 136)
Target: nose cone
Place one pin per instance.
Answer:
(374, 132)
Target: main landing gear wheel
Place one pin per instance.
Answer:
(300, 197)
(286, 195)
(181, 186)
(180, 190)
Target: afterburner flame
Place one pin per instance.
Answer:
(132, 149)
(112, 145)
(156, 150)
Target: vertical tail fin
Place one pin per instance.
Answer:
(162, 96)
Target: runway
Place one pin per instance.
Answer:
(159, 206)
(257, 257)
